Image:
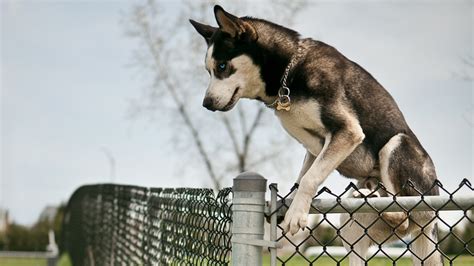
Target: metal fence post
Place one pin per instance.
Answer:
(248, 219)
(52, 261)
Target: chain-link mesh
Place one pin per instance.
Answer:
(123, 225)
(370, 225)
(113, 224)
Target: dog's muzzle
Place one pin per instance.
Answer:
(208, 102)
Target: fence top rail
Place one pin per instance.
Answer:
(382, 204)
(27, 254)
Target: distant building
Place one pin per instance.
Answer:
(48, 213)
(4, 221)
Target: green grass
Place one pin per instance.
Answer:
(22, 262)
(465, 260)
(63, 261)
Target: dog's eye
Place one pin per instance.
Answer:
(222, 66)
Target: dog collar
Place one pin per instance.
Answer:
(283, 102)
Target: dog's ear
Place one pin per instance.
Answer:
(205, 30)
(234, 26)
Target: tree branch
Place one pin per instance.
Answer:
(267, 157)
(248, 137)
(231, 133)
(243, 122)
(181, 107)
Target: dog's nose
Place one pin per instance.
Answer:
(209, 103)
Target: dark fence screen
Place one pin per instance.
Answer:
(114, 224)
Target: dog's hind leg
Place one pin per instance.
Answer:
(363, 229)
(403, 159)
(358, 232)
(423, 246)
(389, 178)
(354, 239)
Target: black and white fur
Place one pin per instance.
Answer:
(342, 116)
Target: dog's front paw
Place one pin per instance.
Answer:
(297, 216)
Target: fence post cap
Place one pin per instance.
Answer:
(250, 181)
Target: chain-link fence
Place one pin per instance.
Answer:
(112, 224)
(367, 224)
(128, 225)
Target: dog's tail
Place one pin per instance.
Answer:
(423, 246)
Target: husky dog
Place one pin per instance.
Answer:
(342, 116)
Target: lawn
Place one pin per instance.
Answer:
(63, 261)
(22, 262)
(295, 261)
(465, 260)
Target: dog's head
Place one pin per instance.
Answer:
(230, 60)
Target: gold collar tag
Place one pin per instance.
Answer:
(283, 103)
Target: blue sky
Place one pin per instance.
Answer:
(66, 84)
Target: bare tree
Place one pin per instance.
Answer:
(172, 54)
